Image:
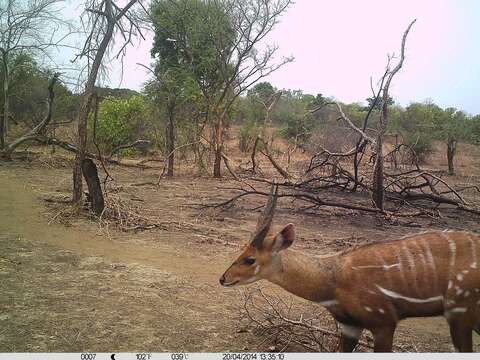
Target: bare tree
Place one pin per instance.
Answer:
(102, 20)
(31, 26)
(378, 176)
(244, 65)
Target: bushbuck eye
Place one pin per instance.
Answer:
(249, 261)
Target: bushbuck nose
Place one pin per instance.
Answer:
(222, 280)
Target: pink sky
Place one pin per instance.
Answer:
(339, 44)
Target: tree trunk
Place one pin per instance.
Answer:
(378, 194)
(217, 165)
(254, 153)
(378, 191)
(95, 194)
(6, 103)
(86, 104)
(451, 147)
(170, 139)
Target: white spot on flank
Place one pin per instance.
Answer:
(381, 311)
(466, 293)
(458, 310)
(395, 295)
(465, 271)
(450, 284)
(368, 308)
(459, 291)
(460, 277)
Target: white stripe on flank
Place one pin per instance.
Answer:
(400, 268)
(453, 253)
(411, 263)
(385, 267)
(328, 303)
(395, 295)
(458, 310)
(474, 253)
(431, 261)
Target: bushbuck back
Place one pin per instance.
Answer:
(374, 286)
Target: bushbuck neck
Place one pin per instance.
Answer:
(374, 286)
(310, 277)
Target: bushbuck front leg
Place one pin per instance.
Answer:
(383, 339)
(349, 337)
(461, 336)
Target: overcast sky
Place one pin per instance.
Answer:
(339, 44)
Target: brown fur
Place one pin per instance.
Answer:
(377, 285)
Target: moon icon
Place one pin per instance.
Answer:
(112, 356)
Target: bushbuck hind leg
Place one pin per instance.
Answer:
(383, 338)
(349, 337)
(461, 335)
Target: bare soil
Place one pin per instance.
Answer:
(69, 284)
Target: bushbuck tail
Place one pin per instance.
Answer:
(373, 286)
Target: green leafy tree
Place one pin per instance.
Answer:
(416, 124)
(262, 91)
(293, 117)
(475, 129)
(120, 121)
(218, 42)
(451, 126)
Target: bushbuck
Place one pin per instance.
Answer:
(372, 286)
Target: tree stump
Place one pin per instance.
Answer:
(90, 173)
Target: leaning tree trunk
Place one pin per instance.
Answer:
(451, 147)
(95, 195)
(170, 138)
(86, 104)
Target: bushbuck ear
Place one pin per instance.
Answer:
(284, 238)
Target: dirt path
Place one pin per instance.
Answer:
(75, 289)
(69, 290)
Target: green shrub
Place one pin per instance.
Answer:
(120, 121)
(421, 143)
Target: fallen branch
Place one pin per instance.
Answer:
(277, 167)
(128, 146)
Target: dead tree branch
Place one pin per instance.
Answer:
(37, 130)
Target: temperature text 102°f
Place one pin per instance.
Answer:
(144, 356)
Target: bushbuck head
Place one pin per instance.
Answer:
(257, 260)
